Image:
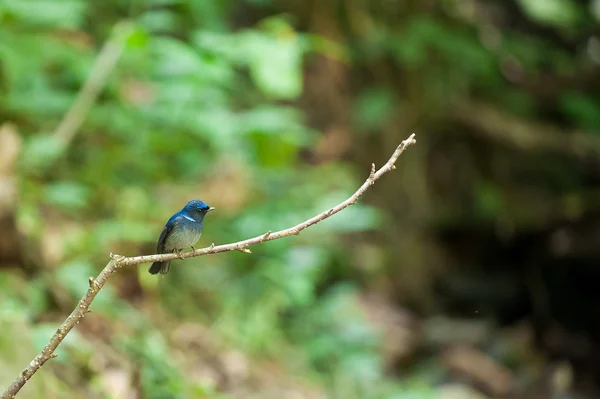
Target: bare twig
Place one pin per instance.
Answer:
(119, 261)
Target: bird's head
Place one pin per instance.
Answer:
(197, 209)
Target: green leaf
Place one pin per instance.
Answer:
(174, 58)
(74, 277)
(112, 230)
(57, 13)
(275, 120)
(41, 151)
(67, 195)
(411, 46)
(137, 38)
(160, 21)
(374, 107)
(560, 13)
(582, 109)
(275, 64)
(488, 200)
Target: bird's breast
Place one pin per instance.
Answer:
(183, 236)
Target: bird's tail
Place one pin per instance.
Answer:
(160, 267)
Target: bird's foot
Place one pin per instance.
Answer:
(179, 255)
(193, 249)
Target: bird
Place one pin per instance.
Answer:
(182, 231)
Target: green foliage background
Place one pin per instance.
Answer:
(208, 100)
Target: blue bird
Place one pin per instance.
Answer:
(182, 231)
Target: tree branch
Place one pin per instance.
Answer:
(524, 134)
(105, 63)
(119, 261)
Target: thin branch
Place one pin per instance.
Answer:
(525, 135)
(118, 261)
(105, 63)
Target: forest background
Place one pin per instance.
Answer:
(469, 272)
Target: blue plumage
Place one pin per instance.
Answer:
(182, 231)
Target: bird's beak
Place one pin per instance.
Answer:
(211, 209)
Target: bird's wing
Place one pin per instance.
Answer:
(171, 224)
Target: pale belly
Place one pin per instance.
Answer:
(182, 239)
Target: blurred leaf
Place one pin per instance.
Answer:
(519, 103)
(111, 230)
(328, 48)
(68, 195)
(11, 290)
(220, 45)
(17, 348)
(174, 58)
(345, 342)
(410, 46)
(160, 378)
(561, 13)
(374, 108)
(158, 20)
(74, 278)
(299, 276)
(275, 64)
(488, 200)
(137, 38)
(38, 301)
(41, 334)
(274, 151)
(582, 109)
(41, 151)
(57, 13)
(595, 9)
(274, 120)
